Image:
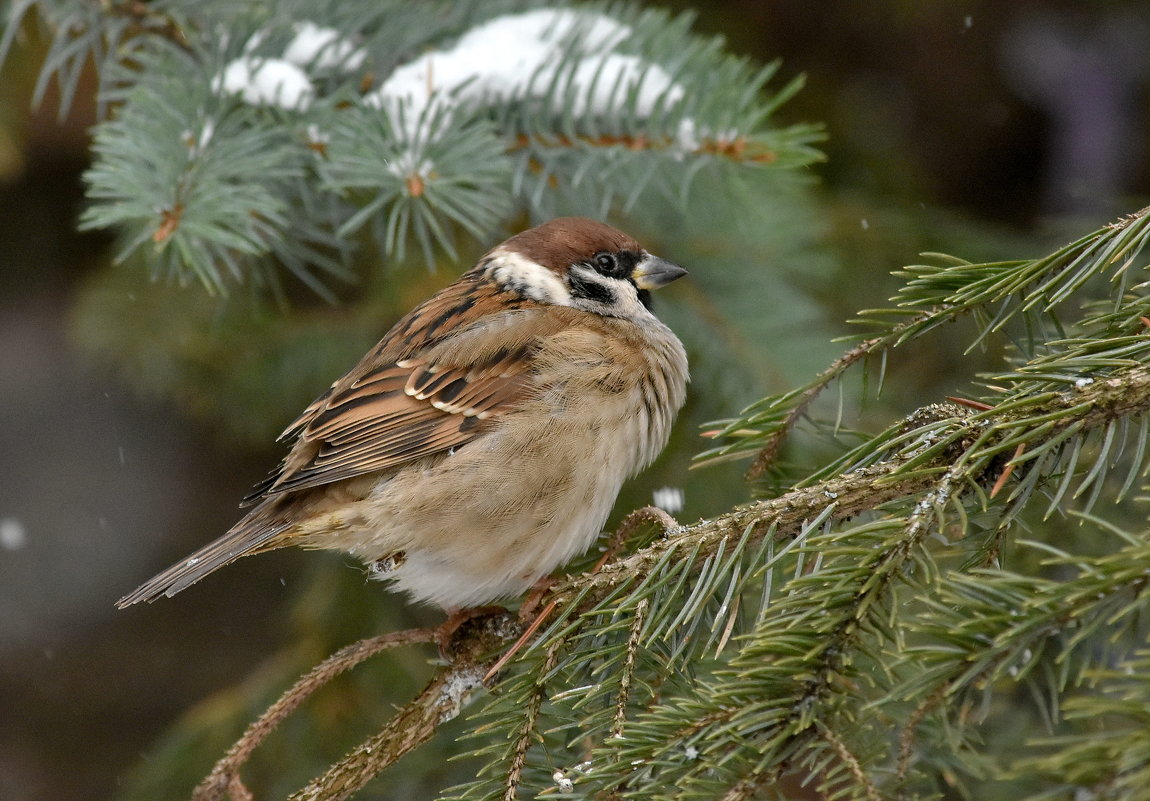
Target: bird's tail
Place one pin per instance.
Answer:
(256, 532)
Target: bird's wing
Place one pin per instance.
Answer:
(420, 392)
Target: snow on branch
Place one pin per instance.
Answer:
(415, 122)
(519, 56)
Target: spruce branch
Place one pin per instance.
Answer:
(950, 288)
(858, 775)
(626, 583)
(84, 32)
(440, 701)
(628, 676)
(738, 149)
(225, 776)
(1109, 752)
(866, 589)
(796, 404)
(907, 735)
(751, 787)
(1024, 611)
(806, 679)
(525, 737)
(409, 117)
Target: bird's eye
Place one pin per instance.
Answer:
(606, 264)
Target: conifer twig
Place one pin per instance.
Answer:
(852, 763)
(1126, 392)
(527, 733)
(225, 776)
(628, 674)
(766, 455)
(906, 735)
(438, 702)
(632, 523)
(749, 787)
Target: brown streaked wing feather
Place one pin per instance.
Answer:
(407, 400)
(352, 433)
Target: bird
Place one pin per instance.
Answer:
(482, 443)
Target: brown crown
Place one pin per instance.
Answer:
(565, 240)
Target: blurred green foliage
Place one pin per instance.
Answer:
(777, 266)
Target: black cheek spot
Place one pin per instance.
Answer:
(590, 290)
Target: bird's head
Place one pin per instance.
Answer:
(581, 263)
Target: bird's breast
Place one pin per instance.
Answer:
(535, 489)
(620, 387)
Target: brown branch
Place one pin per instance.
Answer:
(738, 149)
(146, 19)
(648, 515)
(527, 733)
(850, 494)
(225, 776)
(628, 673)
(852, 764)
(751, 786)
(439, 702)
(907, 734)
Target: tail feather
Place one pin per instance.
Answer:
(254, 533)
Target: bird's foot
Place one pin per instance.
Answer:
(460, 619)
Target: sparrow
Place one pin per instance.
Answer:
(483, 442)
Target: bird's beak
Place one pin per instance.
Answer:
(653, 272)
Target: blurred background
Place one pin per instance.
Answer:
(989, 130)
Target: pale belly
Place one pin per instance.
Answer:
(489, 520)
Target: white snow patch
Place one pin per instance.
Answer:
(317, 137)
(516, 56)
(564, 784)
(687, 137)
(323, 48)
(266, 82)
(669, 499)
(598, 83)
(456, 691)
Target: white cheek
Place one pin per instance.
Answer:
(628, 304)
(514, 271)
